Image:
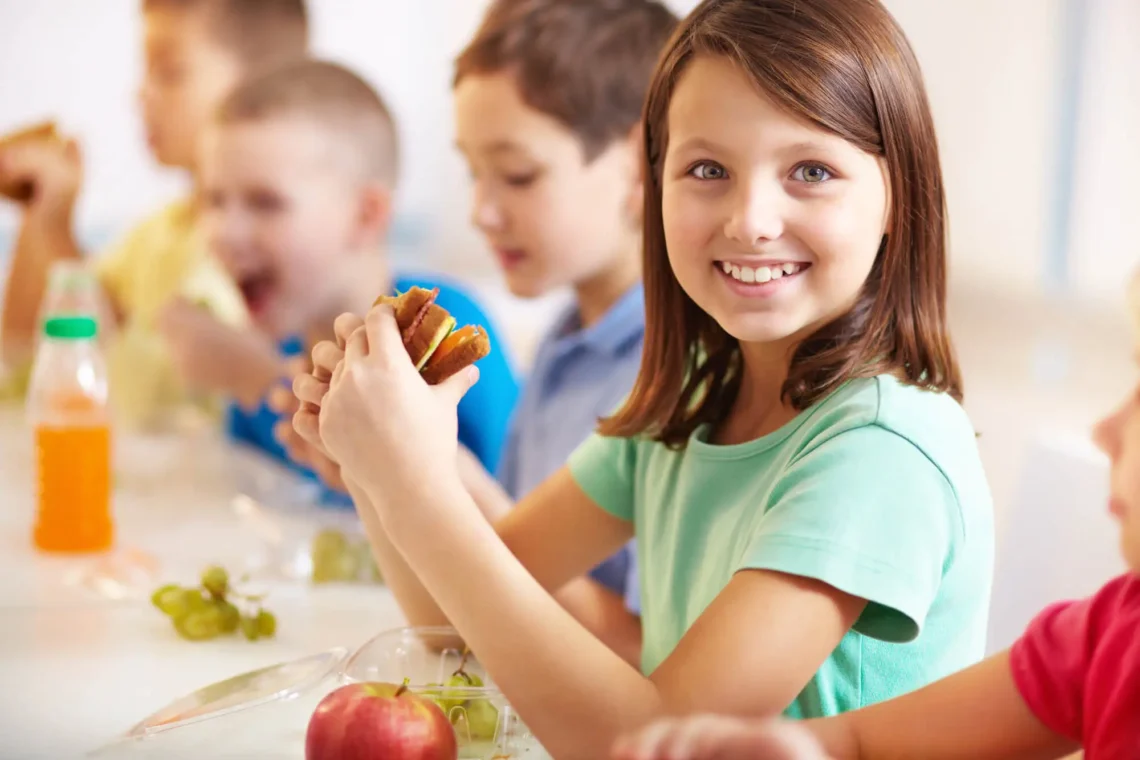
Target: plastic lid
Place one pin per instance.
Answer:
(283, 681)
(71, 328)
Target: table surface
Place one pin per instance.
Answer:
(83, 654)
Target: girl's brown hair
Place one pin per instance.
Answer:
(846, 67)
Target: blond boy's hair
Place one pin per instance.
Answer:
(261, 33)
(330, 97)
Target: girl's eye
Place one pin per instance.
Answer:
(707, 170)
(811, 173)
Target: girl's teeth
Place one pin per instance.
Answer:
(759, 274)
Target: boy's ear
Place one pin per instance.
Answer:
(635, 200)
(374, 214)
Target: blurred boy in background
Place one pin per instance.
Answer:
(548, 97)
(298, 175)
(195, 52)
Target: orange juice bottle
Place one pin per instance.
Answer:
(67, 408)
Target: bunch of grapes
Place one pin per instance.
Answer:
(207, 611)
(339, 557)
(474, 719)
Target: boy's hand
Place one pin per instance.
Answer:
(215, 357)
(711, 737)
(310, 387)
(52, 168)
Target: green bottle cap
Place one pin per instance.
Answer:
(71, 328)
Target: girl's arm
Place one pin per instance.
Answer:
(976, 714)
(750, 653)
(599, 611)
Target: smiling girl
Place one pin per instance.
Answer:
(814, 523)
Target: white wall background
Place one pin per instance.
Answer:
(993, 69)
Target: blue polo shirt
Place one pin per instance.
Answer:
(484, 413)
(579, 376)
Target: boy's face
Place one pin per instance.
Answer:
(187, 75)
(281, 210)
(551, 218)
(1119, 437)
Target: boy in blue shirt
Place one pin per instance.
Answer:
(297, 178)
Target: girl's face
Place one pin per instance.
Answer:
(1119, 437)
(772, 224)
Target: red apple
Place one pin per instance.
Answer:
(379, 720)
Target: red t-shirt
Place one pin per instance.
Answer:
(1078, 668)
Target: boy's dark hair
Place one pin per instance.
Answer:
(329, 96)
(262, 33)
(844, 66)
(586, 63)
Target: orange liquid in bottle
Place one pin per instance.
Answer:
(73, 488)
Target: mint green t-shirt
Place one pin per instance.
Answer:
(877, 490)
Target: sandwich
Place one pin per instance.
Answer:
(436, 347)
(22, 191)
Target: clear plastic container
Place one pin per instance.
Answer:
(265, 714)
(67, 409)
(486, 726)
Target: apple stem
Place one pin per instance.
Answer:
(403, 688)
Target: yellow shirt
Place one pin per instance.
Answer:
(162, 258)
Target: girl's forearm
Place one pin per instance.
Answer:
(570, 689)
(414, 600)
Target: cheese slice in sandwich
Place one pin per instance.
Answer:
(436, 347)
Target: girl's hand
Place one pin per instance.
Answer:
(310, 387)
(711, 737)
(390, 431)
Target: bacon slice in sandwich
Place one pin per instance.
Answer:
(436, 347)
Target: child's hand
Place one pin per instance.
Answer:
(286, 405)
(52, 168)
(215, 357)
(711, 737)
(382, 422)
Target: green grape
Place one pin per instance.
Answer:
(216, 581)
(450, 696)
(231, 618)
(266, 624)
(170, 600)
(199, 625)
(482, 719)
(329, 542)
(250, 628)
(343, 566)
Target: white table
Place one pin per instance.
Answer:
(80, 668)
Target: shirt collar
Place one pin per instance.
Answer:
(621, 325)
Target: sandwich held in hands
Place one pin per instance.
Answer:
(17, 187)
(436, 347)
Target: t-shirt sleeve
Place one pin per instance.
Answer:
(603, 467)
(1049, 662)
(868, 513)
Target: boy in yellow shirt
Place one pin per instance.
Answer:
(195, 52)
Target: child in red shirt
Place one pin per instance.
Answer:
(1072, 681)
